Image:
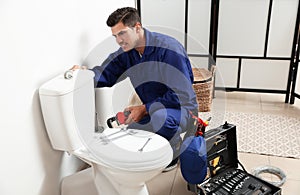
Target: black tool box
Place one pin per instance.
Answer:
(224, 177)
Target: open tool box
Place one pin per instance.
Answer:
(224, 176)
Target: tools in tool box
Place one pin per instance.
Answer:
(224, 176)
(235, 182)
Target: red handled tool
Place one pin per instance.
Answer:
(120, 118)
(201, 125)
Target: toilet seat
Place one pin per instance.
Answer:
(119, 148)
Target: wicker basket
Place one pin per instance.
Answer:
(203, 87)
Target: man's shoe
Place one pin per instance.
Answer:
(172, 165)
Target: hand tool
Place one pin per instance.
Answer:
(105, 140)
(142, 148)
(120, 118)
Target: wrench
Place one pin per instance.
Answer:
(142, 148)
(107, 140)
(105, 137)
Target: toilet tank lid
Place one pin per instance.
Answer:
(59, 85)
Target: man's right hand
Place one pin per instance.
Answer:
(136, 113)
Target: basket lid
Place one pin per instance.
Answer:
(201, 75)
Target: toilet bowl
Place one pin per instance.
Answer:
(122, 159)
(121, 156)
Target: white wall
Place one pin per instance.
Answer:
(38, 40)
(164, 16)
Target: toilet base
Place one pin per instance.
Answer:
(142, 190)
(83, 182)
(79, 183)
(105, 184)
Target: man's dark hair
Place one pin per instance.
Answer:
(127, 15)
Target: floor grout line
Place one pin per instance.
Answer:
(174, 179)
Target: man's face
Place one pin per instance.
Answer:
(126, 37)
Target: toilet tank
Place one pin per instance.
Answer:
(111, 100)
(68, 108)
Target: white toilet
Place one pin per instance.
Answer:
(122, 160)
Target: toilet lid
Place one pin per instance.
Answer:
(130, 149)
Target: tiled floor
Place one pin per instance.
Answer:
(172, 183)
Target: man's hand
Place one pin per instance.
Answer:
(136, 113)
(75, 67)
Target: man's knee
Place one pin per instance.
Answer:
(166, 122)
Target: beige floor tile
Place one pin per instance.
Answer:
(272, 98)
(274, 108)
(252, 161)
(218, 104)
(243, 98)
(243, 102)
(291, 187)
(290, 166)
(220, 94)
(180, 185)
(293, 111)
(162, 184)
(249, 108)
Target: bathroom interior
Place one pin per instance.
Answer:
(255, 41)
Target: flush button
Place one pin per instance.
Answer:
(68, 74)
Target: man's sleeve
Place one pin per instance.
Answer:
(109, 72)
